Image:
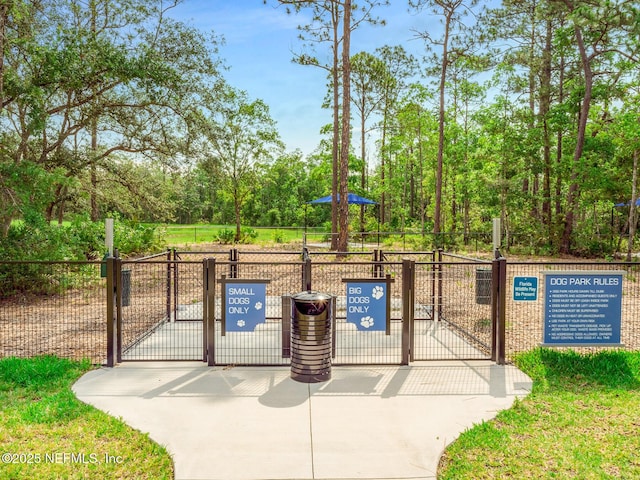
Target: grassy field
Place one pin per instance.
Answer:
(581, 421)
(47, 433)
(202, 233)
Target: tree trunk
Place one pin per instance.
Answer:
(574, 191)
(531, 176)
(343, 208)
(441, 114)
(94, 138)
(61, 206)
(545, 102)
(412, 185)
(5, 223)
(363, 153)
(383, 196)
(94, 175)
(633, 217)
(4, 13)
(559, 154)
(5, 218)
(335, 149)
(236, 211)
(423, 206)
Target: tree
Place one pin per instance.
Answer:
(466, 95)
(96, 79)
(366, 71)
(286, 186)
(603, 32)
(241, 134)
(452, 46)
(526, 29)
(411, 156)
(399, 68)
(626, 130)
(327, 16)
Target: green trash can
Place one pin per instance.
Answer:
(103, 266)
(126, 287)
(311, 317)
(483, 286)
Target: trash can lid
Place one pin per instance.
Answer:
(311, 303)
(310, 296)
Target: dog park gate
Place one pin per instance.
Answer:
(178, 308)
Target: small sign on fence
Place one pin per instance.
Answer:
(245, 305)
(525, 289)
(582, 308)
(368, 304)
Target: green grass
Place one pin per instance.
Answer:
(581, 420)
(47, 433)
(204, 233)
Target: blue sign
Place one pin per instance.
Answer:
(582, 308)
(245, 306)
(367, 305)
(525, 289)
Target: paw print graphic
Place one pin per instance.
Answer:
(377, 292)
(258, 306)
(366, 322)
(241, 323)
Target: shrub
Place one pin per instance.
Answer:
(225, 236)
(278, 236)
(131, 237)
(88, 237)
(248, 235)
(36, 240)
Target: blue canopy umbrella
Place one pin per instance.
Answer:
(622, 204)
(352, 199)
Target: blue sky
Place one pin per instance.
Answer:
(260, 40)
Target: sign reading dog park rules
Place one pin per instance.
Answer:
(367, 305)
(245, 306)
(582, 308)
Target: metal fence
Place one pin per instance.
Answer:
(53, 308)
(524, 320)
(169, 306)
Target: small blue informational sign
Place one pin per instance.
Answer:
(525, 289)
(582, 308)
(367, 305)
(245, 306)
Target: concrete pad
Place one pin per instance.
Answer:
(257, 423)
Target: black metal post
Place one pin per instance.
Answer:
(286, 326)
(378, 258)
(233, 263)
(209, 310)
(169, 284)
(433, 285)
(408, 278)
(176, 291)
(495, 283)
(498, 306)
(502, 316)
(119, 297)
(111, 300)
(439, 288)
(334, 306)
(306, 274)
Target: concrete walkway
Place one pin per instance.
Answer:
(255, 423)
